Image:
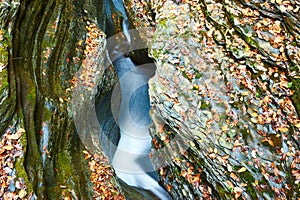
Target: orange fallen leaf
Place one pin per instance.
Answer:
(238, 192)
(234, 177)
(283, 129)
(243, 169)
(230, 184)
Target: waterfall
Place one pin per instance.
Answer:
(131, 160)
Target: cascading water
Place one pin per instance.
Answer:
(131, 160)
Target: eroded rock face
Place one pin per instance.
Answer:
(51, 40)
(224, 98)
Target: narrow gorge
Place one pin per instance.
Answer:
(135, 99)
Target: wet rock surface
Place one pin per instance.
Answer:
(49, 42)
(226, 95)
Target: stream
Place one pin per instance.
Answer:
(131, 160)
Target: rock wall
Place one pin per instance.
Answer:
(224, 98)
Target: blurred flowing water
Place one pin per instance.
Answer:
(131, 160)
